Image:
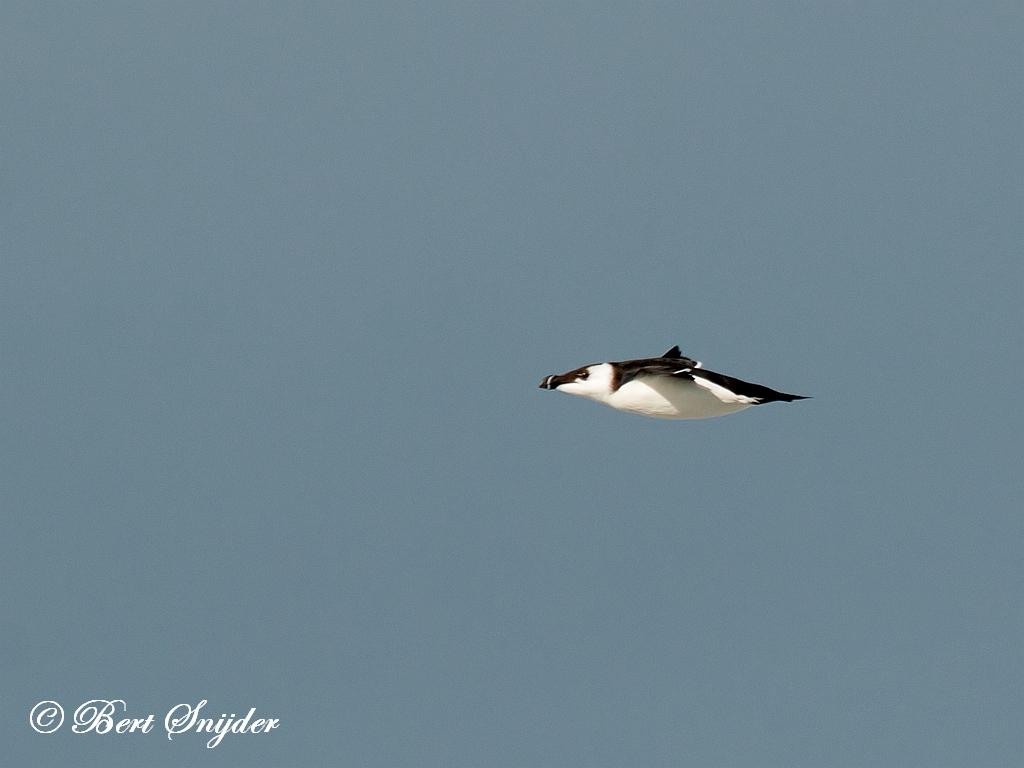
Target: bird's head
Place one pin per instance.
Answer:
(593, 381)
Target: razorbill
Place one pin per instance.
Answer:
(666, 387)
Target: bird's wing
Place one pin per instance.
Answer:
(726, 394)
(655, 366)
(732, 390)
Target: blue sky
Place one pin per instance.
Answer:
(278, 285)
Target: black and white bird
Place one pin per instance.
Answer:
(666, 387)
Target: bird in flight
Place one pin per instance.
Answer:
(666, 387)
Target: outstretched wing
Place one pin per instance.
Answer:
(730, 390)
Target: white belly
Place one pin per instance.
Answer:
(667, 398)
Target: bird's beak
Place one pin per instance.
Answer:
(554, 382)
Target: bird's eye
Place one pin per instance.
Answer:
(584, 374)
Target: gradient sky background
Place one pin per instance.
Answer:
(279, 282)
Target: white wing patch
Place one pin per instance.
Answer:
(722, 393)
